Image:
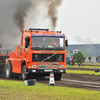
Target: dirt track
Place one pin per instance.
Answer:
(82, 77)
(73, 80)
(83, 81)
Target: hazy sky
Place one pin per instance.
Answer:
(78, 19)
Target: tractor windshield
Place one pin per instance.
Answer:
(47, 43)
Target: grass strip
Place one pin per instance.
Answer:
(15, 90)
(82, 72)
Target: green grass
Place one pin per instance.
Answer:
(85, 66)
(82, 72)
(15, 90)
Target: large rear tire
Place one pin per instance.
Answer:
(24, 73)
(8, 70)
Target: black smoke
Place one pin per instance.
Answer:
(24, 6)
(21, 12)
(13, 15)
(52, 7)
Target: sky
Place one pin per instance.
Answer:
(78, 19)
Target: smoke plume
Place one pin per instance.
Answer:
(80, 40)
(21, 12)
(23, 8)
(52, 11)
(26, 13)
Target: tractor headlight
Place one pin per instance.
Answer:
(33, 66)
(61, 66)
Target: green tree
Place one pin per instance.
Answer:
(80, 58)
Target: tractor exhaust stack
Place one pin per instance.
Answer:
(21, 40)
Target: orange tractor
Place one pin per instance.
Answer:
(40, 53)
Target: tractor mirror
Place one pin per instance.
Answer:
(66, 41)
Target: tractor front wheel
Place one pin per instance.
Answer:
(8, 70)
(24, 73)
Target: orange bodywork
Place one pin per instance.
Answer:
(23, 54)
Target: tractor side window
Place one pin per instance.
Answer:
(27, 42)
